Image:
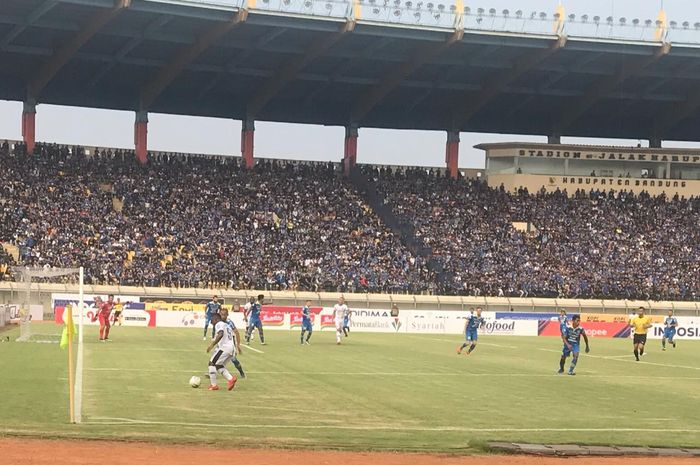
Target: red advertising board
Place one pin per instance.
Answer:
(295, 319)
(593, 329)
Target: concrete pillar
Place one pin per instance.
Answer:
(655, 143)
(141, 136)
(248, 143)
(554, 140)
(350, 148)
(452, 153)
(29, 125)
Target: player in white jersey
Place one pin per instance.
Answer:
(225, 347)
(339, 312)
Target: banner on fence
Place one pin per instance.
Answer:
(593, 329)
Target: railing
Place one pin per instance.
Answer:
(446, 15)
(41, 292)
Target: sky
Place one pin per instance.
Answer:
(105, 128)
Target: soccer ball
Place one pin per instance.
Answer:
(195, 381)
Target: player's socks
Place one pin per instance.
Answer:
(641, 352)
(308, 336)
(573, 366)
(302, 337)
(239, 367)
(212, 375)
(225, 373)
(636, 354)
(562, 361)
(471, 348)
(663, 344)
(674, 344)
(459, 351)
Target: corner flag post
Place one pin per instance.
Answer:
(68, 320)
(82, 306)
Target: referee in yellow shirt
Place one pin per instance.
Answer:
(641, 324)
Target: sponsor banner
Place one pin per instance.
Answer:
(593, 329)
(188, 306)
(427, 322)
(194, 319)
(89, 299)
(509, 328)
(133, 315)
(688, 328)
(614, 318)
(527, 316)
(327, 322)
(603, 318)
(296, 319)
(273, 318)
(36, 312)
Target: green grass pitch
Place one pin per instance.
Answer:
(376, 391)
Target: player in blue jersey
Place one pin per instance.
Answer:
(471, 326)
(563, 321)
(306, 325)
(254, 321)
(346, 322)
(236, 341)
(670, 325)
(212, 308)
(572, 338)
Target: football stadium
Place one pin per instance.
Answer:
(171, 307)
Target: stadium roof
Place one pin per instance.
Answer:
(376, 63)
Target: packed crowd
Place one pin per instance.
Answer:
(593, 245)
(188, 221)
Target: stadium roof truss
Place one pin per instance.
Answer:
(249, 60)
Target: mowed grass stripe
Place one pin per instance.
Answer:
(376, 391)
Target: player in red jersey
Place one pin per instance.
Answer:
(104, 310)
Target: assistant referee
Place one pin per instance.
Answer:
(641, 324)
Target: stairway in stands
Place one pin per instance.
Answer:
(405, 231)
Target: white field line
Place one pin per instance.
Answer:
(253, 349)
(458, 339)
(79, 386)
(615, 358)
(136, 422)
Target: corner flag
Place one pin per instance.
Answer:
(69, 328)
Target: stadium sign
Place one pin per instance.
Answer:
(688, 328)
(609, 156)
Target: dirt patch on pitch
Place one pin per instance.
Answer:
(43, 452)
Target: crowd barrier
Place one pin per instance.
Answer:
(191, 315)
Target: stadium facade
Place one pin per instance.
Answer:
(572, 167)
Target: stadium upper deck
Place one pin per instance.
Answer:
(371, 63)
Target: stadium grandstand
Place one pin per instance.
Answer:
(207, 222)
(184, 289)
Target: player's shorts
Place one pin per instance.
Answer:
(574, 350)
(472, 335)
(117, 315)
(255, 323)
(207, 319)
(339, 325)
(307, 326)
(346, 322)
(669, 333)
(640, 338)
(220, 357)
(104, 320)
(562, 328)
